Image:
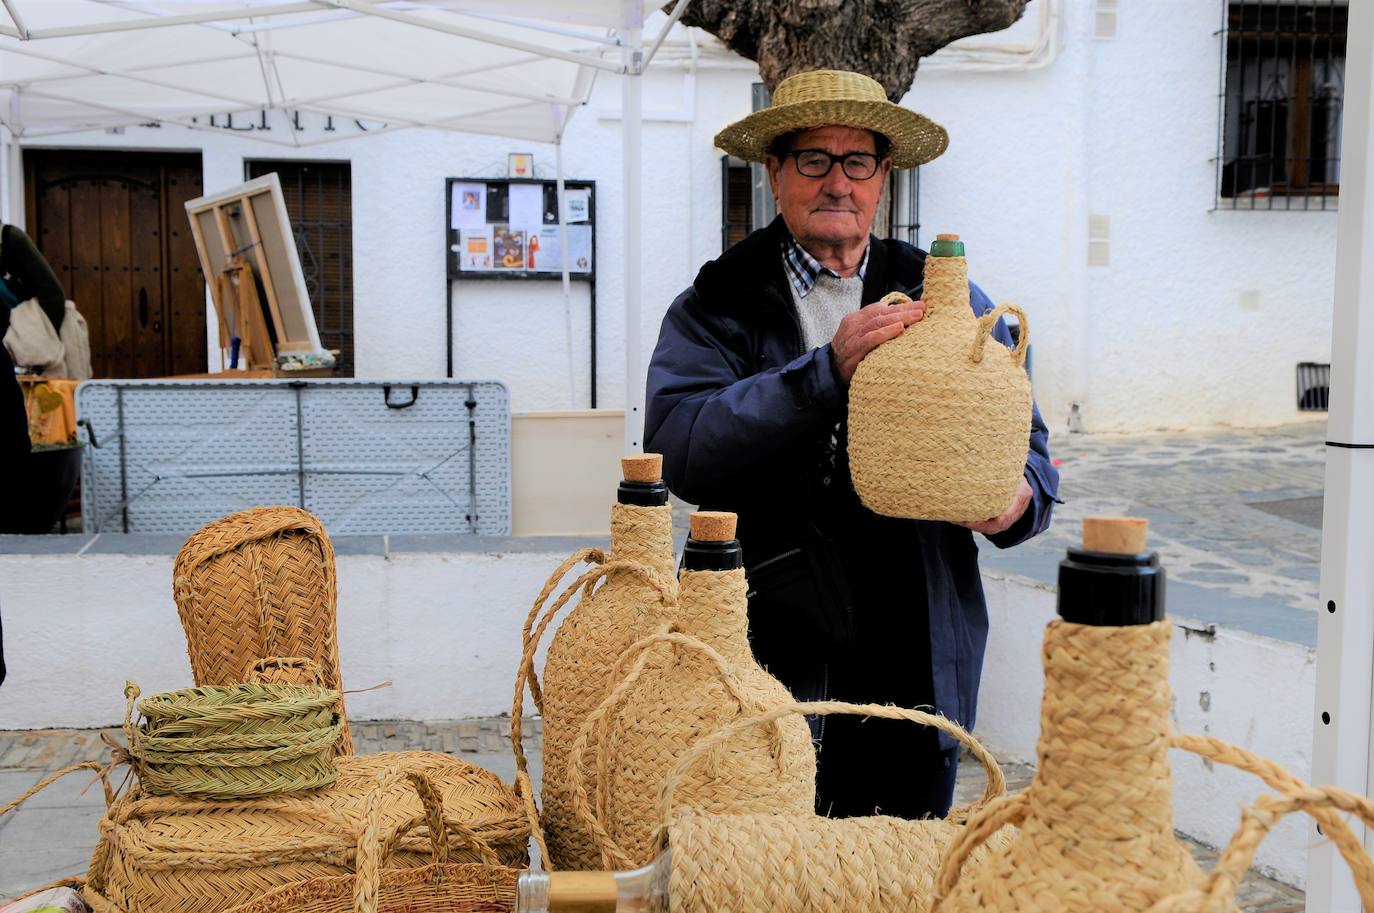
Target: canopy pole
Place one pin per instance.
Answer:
(1343, 726)
(631, 125)
(563, 266)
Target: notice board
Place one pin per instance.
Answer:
(509, 228)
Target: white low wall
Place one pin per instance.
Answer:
(1249, 690)
(444, 628)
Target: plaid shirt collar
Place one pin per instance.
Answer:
(803, 269)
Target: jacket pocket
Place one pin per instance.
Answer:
(800, 601)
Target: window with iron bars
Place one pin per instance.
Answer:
(1282, 88)
(747, 202)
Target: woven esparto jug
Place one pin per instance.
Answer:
(637, 579)
(1097, 823)
(713, 862)
(940, 417)
(693, 676)
(739, 863)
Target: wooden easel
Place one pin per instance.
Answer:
(238, 250)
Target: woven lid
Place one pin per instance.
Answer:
(821, 98)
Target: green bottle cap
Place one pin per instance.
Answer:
(947, 246)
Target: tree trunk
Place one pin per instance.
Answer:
(885, 39)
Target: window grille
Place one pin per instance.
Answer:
(905, 199)
(1314, 386)
(1282, 87)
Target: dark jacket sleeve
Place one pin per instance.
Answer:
(718, 424)
(1040, 472)
(32, 276)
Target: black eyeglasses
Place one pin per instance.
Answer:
(816, 163)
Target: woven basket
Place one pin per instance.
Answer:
(173, 855)
(680, 685)
(788, 863)
(257, 584)
(233, 741)
(940, 417)
(440, 887)
(583, 652)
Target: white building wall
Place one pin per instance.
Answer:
(1200, 316)
(1197, 320)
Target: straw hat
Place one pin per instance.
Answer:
(820, 98)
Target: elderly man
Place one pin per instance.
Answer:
(747, 396)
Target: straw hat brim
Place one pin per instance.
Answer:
(916, 139)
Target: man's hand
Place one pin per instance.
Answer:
(864, 330)
(1012, 514)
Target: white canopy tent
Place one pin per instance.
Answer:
(520, 68)
(513, 68)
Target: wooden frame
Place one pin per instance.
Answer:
(249, 221)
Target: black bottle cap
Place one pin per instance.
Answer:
(642, 494)
(1111, 588)
(704, 555)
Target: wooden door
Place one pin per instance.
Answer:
(113, 225)
(319, 202)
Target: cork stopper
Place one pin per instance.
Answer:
(1112, 581)
(947, 237)
(1115, 535)
(713, 525)
(642, 467)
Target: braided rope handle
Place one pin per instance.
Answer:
(532, 636)
(102, 774)
(1213, 749)
(1258, 819)
(373, 850)
(996, 785)
(259, 669)
(997, 814)
(1277, 778)
(525, 676)
(583, 555)
(593, 820)
(985, 326)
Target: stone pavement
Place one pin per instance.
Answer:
(53, 834)
(1235, 516)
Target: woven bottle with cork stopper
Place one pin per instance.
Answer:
(694, 674)
(940, 416)
(1097, 823)
(592, 636)
(714, 862)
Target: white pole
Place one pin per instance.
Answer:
(631, 95)
(563, 266)
(1343, 727)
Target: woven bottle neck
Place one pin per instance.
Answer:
(946, 290)
(713, 606)
(643, 535)
(1103, 773)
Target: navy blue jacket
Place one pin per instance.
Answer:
(749, 420)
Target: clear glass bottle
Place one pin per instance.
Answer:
(642, 890)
